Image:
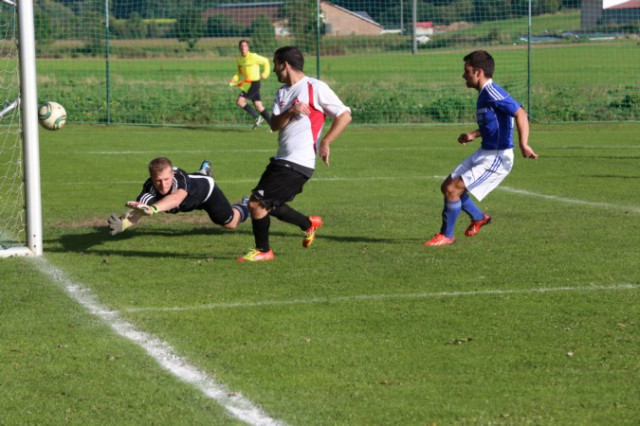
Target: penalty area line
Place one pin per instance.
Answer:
(377, 297)
(235, 404)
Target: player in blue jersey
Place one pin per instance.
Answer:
(482, 172)
(170, 189)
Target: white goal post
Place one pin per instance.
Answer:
(21, 222)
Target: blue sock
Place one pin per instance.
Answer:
(244, 211)
(470, 207)
(450, 216)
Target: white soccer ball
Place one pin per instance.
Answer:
(52, 115)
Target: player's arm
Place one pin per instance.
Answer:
(337, 127)
(468, 137)
(266, 65)
(281, 120)
(522, 124)
(171, 201)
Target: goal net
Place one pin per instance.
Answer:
(20, 217)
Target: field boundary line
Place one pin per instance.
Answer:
(235, 404)
(377, 297)
(570, 200)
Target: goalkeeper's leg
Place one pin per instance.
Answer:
(221, 212)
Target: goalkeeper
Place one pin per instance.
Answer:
(248, 79)
(171, 190)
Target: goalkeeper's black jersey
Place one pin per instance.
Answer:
(198, 187)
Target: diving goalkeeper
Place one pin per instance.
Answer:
(170, 189)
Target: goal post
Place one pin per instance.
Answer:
(21, 221)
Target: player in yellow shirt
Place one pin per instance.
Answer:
(248, 79)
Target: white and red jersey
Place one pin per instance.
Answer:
(299, 138)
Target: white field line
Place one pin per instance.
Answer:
(238, 406)
(633, 209)
(377, 297)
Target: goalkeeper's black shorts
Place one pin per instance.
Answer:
(218, 207)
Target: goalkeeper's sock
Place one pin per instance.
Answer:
(450, 215)
(470, 207)
(251, 111)
(243, 210)
(261, 232)
(264, 113)
(289, 215)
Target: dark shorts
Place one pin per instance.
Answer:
(218, 207)
(278, 185)
(253, 94)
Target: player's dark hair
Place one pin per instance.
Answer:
(243, 41)
(482, 60)
(290, 55)
(159, 164)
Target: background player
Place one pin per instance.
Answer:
(249, 75)
(171, 190)
(483, 171)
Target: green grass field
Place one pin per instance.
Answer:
(533, 321)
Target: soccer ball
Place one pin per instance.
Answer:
(52, 115)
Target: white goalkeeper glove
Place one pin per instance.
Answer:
(142, 209)
(118, 224)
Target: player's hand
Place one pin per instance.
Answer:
(142, 208)
(118, 224)
(300, 108)
(527, 152)
(324, 152)
(465, 137)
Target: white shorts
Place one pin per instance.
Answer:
(483, 170)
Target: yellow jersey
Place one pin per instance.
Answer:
(249, 67)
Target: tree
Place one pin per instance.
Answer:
(189, 27)
(302, 22)
(43, 28)
(263, 36)
(222, 26)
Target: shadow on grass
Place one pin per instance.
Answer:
(87, 242)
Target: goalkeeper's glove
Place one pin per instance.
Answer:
(118, 224)
(142, 208)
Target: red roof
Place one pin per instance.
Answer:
(631, 4)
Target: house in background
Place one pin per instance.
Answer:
(338, 21)
(601, 12)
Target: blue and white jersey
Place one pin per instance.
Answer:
(494, 113)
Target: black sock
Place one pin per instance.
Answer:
(261, 232)
(266, 115)
(251, 111)
(289, 215)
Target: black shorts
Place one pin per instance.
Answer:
(218, 207)
(253, 94)
(278, 185)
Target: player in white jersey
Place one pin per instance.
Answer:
(299, 111)
(482, 171)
